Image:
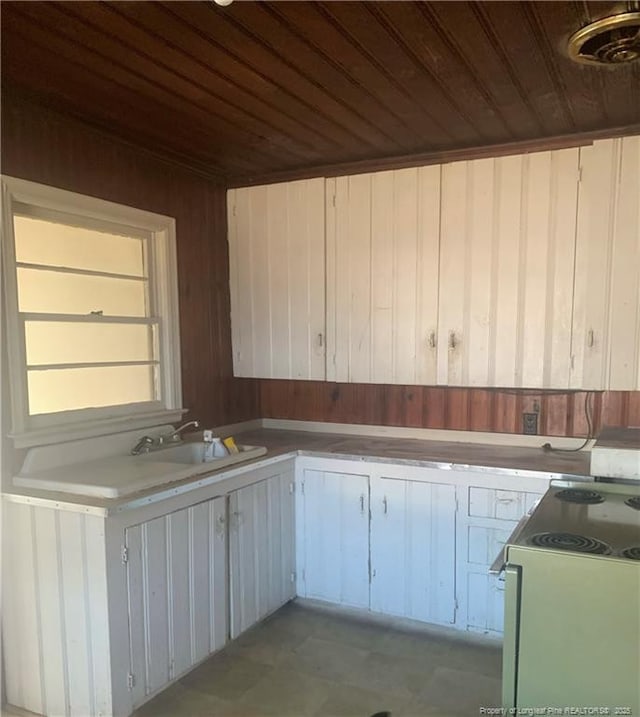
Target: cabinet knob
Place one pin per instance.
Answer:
(432, 340)
(453, 340)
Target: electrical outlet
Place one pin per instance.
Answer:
(530, 424)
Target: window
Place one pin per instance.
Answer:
(91, 314)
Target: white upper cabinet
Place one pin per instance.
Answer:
(606, 326)
(277, 279)
(506, 270)
(382, 276)
(518, 271)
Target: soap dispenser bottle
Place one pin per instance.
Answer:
(214, 448)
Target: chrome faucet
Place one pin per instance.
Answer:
(148, 443)
(175, 436)
(142, 446)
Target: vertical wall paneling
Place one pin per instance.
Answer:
(625, 281)
(176, 585)
(599, 164)
(94, 574)
(180, 595)
(506, 269)
(261, 549)
(55, 636)
(78, 635)
(277, 238)
(53, 624)
(413, 527)
(42, 146)
(21, 623)
(606, 321)
(384, 271)
(334, 528)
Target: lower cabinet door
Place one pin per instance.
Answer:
(176, 585)
(413, 549)
(261, 549)
(333, 526)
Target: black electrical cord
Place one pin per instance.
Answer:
(587, 413)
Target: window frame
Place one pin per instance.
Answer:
(31, 430)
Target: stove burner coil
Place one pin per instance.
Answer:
(633, 553)
(569, 541)
(575, 495)
(633, 502)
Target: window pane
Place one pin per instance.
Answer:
(44, 242)
(69, 389)
(65, 342)
(59, 293)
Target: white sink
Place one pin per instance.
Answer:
(117, 476)
(183, 453)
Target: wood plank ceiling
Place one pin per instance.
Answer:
(280, 89)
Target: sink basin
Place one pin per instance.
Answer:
(183, 453)
(194, 453)
(117, 476)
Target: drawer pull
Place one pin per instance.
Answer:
(384, 504)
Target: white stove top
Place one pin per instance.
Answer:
(591, 518)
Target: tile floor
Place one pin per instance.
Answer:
(307, 660)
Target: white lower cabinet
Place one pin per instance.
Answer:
(333, 536)
(407, 541)
(413, 558)
(491, 510)
(176, 590)
(261, 549)
(122, 604)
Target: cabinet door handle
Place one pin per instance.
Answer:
(384, 505)
(320, 340)
(362, 504)
(432, 340)
(453, 341)
(590, 338)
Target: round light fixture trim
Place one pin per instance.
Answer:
(613, 40)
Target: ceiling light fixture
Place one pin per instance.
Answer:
(223, 3)
(613, 40)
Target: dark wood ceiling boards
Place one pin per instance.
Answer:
(274, 89)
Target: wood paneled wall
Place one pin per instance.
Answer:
(463, 409)
(42, 146)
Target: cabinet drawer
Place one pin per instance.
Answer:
(500, 504)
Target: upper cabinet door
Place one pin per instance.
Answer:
(277, 279)
(606, 321)
(382, 276)
(506, 270)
